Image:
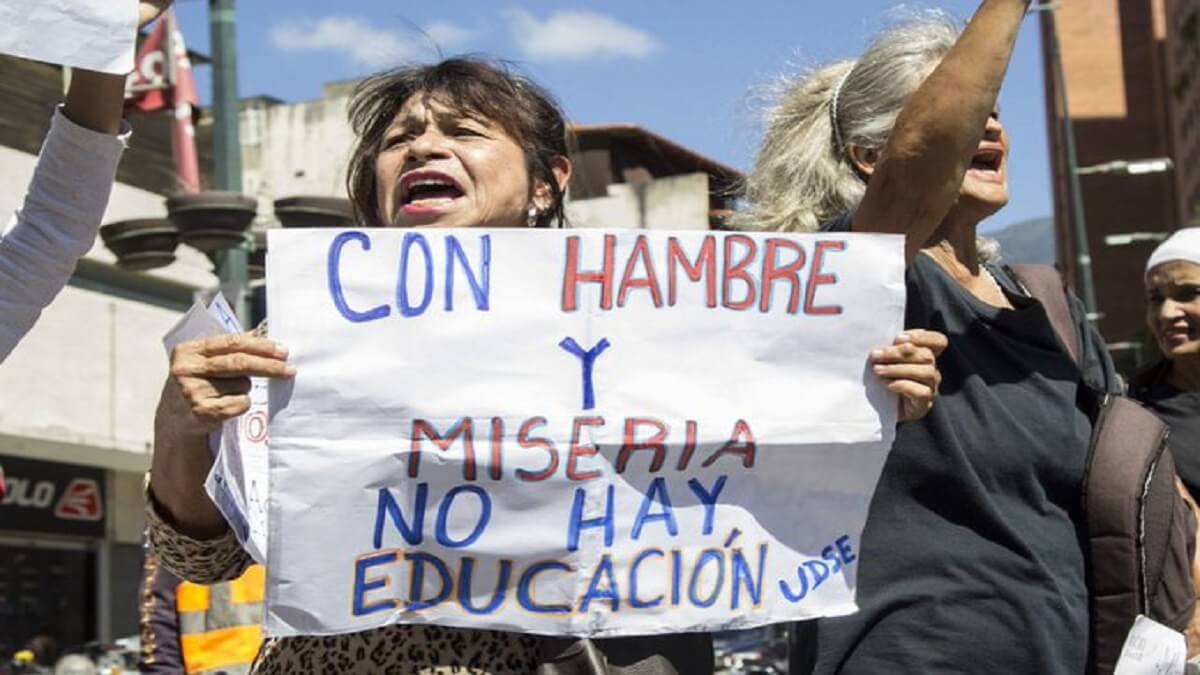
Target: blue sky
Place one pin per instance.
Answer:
(685, 70)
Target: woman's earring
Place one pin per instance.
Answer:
(532, 219)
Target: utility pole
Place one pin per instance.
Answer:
(227, 149)
(1083, 258)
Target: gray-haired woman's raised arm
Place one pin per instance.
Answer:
(916, 177)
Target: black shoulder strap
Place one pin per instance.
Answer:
(1046, 286)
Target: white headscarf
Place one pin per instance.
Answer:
(1183, 246)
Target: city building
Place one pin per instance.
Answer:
(1129, 80)
(624, 176)
(1182, 51)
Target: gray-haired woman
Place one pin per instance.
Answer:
(972, 561)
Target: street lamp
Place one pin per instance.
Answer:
(1131, 167)
(1127, 238)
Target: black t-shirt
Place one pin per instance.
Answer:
(972, 559)
(1181, 411)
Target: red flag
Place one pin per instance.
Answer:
(152, 87)
(148, 88)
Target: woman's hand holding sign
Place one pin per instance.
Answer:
(209, 383)
(910, 366)
(210, 379)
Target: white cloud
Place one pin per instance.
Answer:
(577, 35)
(364, 43)
(448, 35)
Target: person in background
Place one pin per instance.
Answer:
(972, 558)
(199, 630)
(158, 621)
(1171, 387)
(58, 221)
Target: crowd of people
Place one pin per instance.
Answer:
(975, 555)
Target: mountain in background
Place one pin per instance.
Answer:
(1029, 241)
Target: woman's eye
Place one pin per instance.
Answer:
(467, 131)
(396, 139)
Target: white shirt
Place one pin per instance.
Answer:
(57, 223)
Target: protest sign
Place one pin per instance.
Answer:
(92, 34)
(574, 432)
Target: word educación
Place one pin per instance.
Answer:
(734, 272)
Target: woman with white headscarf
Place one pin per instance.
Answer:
(1171, 387)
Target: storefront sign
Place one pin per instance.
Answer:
(52, 498)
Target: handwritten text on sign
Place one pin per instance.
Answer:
(574, 432)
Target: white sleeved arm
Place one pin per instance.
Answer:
(57, 223)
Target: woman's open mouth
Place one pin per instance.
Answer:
(427, 191)
(986, 165)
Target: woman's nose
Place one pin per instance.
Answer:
(430, 144)
(1169, 310)
(993, 130)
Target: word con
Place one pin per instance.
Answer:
(652, 579)
(743, 276)
(415, 251)
(640, 437)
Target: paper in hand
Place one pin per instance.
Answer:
(237, 483)
(91, 34)
(1152, 649)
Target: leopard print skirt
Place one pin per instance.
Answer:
(394, 650)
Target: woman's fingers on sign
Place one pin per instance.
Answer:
(916, 398)
(910, 365)
(929, 339)
(914, 346)
(212, 376)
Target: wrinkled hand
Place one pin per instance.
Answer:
(210, 380)
(149, 10)
(910, 366)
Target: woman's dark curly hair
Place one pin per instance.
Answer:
(486, 89)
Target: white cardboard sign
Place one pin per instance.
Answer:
(574, 432)
(93, 34)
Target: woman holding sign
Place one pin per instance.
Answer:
(458, 143)
(972, 559)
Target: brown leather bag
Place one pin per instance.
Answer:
(1141, 531)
